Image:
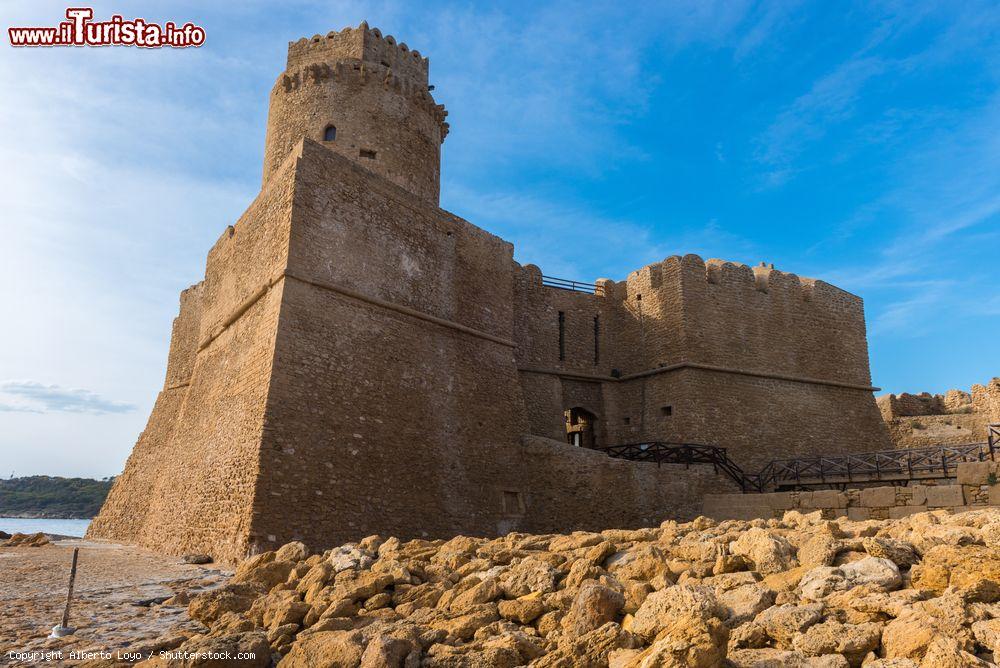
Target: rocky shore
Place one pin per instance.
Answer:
(800, 591)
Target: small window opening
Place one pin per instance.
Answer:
(667, 411)
(365, 153)
(513, 503)
(597, 340)
(330, 133)
(385, 63)
(627, 420)
(562, 336)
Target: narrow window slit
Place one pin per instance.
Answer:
(562, 336)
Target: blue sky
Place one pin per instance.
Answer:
(854, 142)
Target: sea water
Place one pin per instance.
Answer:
(60, 527)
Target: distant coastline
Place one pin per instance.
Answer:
(51, 497)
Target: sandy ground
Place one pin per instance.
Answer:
(111, 608)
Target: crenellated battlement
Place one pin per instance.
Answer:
(361, 73)
(365, 96)
(720, 274)
(364, 44)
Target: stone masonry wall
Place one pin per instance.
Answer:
(759, 361)
(394, 396)
(976, 485)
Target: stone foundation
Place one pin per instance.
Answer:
(977, 484)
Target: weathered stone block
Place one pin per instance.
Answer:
(919, 496)
(735, 506)
(858, 514)
(824, 498)
(779, 500)
(897, 512)
(942, 496)
(969, 493)
(964, 509)
(878, 497)
(994, 495)
(973, 473)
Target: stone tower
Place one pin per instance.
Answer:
(366, 97)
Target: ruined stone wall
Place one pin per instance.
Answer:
(986, 400)
(975, 486)
(953, 418)
(374, 92)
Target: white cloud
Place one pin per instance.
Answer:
(28, 396)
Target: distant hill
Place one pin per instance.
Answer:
(48, 496)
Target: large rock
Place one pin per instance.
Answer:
(686, 642)
(851, 641)
(594, 606)
(744, 603)
(987, 634)
(973, 568)
(875, 572)
(783, 623)
(349, 557)
(643, 562)
(328, 649)
(527, 576)
(209, 606)
(819, 550)
(265, 570)
(294, 551)
(768, 552)
(242, 650)
(592, 650)
(663, 608)
(911, 633)
(900, 552)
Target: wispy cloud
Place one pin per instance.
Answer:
(28, 396)
(830, 101)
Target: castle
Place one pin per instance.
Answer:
(358, 360)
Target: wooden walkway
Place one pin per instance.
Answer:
(896, 467)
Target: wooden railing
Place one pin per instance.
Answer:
(926, 463)
(892, 466)
(684, 453)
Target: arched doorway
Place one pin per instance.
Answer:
(581, 428)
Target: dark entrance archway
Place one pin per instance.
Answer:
(581, 428)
